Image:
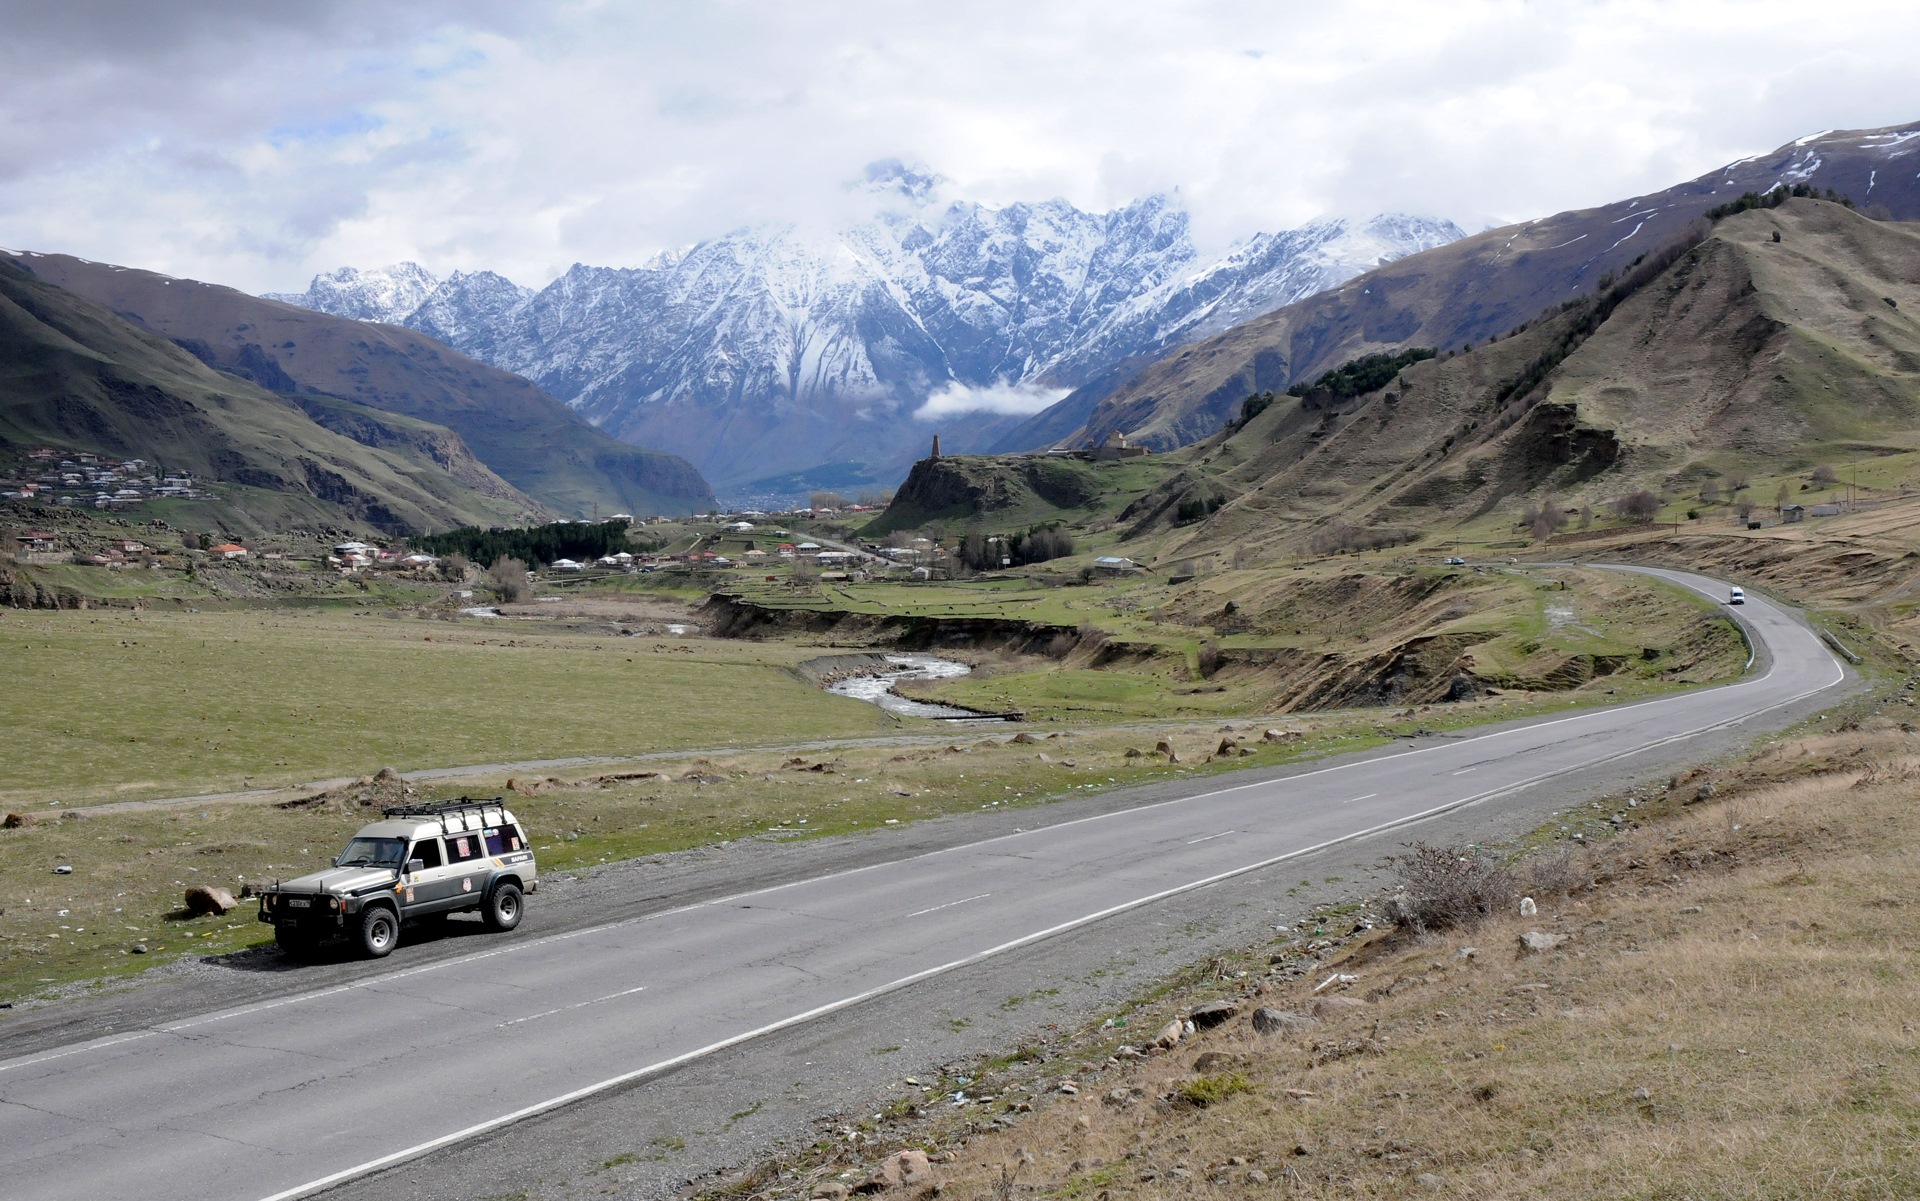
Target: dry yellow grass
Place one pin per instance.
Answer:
(1735, 1015)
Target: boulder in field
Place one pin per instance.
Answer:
(204, 899)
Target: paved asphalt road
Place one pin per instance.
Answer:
(283, 1098)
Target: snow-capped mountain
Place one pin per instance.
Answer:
(386, 294)
(777, 349)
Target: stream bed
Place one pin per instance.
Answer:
(877, 687)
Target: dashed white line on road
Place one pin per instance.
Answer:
(950, 904)
(1208, 838)
(568, 1008)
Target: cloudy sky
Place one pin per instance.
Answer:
(253, 142)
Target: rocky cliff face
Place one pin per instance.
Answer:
(777, 348)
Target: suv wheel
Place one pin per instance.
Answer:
(379, 931)
(502, 909)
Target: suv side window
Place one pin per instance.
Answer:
(427, 851)
(462, 847)
(505, 839)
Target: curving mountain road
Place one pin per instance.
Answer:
(291, 1096)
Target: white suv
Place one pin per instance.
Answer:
(417, 862)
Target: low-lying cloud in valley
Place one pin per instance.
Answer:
(1019, 400)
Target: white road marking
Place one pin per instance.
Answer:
(1463, 771)
(1368, 797)
(1209, 838)
(950, 904)
(569, 1008)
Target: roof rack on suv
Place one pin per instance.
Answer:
(442, 808)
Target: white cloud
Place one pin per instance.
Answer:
(257, 144)
(1006, 399)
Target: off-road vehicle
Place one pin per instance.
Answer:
(417, 862)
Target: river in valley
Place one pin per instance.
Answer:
(877, 686)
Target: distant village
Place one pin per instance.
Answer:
(742, 541)
(75, 479)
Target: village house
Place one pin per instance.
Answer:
(228, 550)
(1116, 565)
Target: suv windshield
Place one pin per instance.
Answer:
(372, 852)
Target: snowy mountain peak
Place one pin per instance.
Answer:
(778, 348)
(385, 294)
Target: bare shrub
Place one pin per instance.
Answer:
(1710, 492)
(1636, 506)
(1553, 875)
(1447, 888)
(1346, 537)
(1209, 659)
(1545, 521)
(509, 580)
(1824, 475)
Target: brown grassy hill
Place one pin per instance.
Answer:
(1480, 287)
(1746, 356)
(74, 375)
(530, 439)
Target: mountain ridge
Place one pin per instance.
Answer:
(1474, 288)
(529, 438)
(81, 377)
(776, 349)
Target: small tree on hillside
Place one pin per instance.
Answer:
(1824, 476)
(1710, 492)
(1547, 520)
(1745, 509)
(828, 500)
(1781, 497)
(1636, 506)
(509, 580)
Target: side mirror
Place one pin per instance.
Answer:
(416, 865)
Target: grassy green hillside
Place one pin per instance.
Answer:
(1013, 492)
(73, 375)
(1748, 361)
(530, 439)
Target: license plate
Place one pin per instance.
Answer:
(297, 903)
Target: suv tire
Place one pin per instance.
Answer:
(502, 909)
(379, 931)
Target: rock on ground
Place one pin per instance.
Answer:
(204, 899)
